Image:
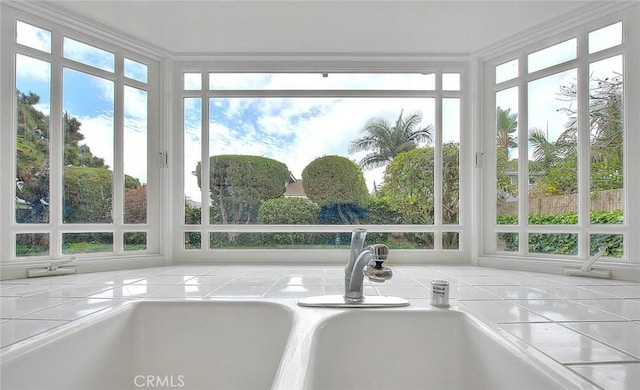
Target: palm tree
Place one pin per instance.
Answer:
(385, 141)
(545, 153)
(507, 124)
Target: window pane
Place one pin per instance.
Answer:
(319, 81)
(507, 242)
(507, 156)
(260, 147)
(451, 81)
(451, 161)
(553, 243)
(88, 148)
(450, 240)
(135, 241)
(135, 155)
(32, 244)
(33, 36)
(316, 240)
(507, 71)
(553, 55)
(33, 84)
(88, 55)
(193, 81)
(192, 150)
(607, 141)
(135, 70)
(73, 243)
(192, 240)
(605, 38)
(612, 244)
(553, 156)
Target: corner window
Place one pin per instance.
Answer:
(559, 169)
(80, 148)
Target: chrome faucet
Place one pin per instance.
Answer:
(359, 266)
(361, 263)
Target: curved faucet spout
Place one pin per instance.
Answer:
(358, 236)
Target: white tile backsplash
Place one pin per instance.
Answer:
(590, 325)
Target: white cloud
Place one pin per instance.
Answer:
(88, 54)
(316, 81)
(31, 69)
(33, 36)
(296, 131)
(98, 135)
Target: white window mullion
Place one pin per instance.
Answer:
(631, 117)
(56, 145)
(205, 165)
(118, 153)
(437, 168)
(584, 146)
(523, 157)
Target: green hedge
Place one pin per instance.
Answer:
(564, 243)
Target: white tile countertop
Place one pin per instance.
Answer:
(592, 326)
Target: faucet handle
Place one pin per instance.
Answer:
(378, 273)
(379, 252)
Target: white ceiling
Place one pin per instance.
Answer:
(320, 27)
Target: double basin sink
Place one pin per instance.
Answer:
(277, 345)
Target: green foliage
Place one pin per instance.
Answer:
(335, 180)
(82, 186)
(565, 243)
(131, 182)
(553, 243)
(239, 183)
(289, 211)
(385, 141)
(192, 215)
(408, 188)
(558, 160)
(560, 179)
(87, 195)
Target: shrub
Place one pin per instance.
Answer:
(287, 211)
(333, 180)
(565, 243)
(87, 195)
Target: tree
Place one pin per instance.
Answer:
(385, 140)
(409, 184)
(87, 195)
(409, 190)
(238, 184)
(507, 125)
(558, 160)
(545, 153)
(337, 185)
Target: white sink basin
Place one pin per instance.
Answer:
(421, 349)
(192, 345)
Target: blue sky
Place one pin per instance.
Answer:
(295, 131)
(90, 99)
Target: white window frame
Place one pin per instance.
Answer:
(289, 65)
(630, 49)
(13, 266)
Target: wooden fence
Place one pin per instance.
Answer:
(608, 200)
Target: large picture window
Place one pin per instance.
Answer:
(296, 160)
